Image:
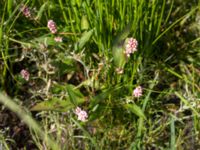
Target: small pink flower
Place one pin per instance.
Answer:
(58, 39)
(52, 26)
(137, 92)
(131, 46)
(82, 115)
(26, 11)
(25, 74)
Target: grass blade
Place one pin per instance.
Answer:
(173, 136)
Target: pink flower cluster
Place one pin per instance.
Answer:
(25, 74)
(52, 26)
(26, 11)
(137, 92)
(82, 115)
(131, 46)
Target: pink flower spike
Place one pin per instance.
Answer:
(137, 92)
(82, 115)
(26, 11)
(52, 26)
(58, 39)
(131, 46)
(25, 74)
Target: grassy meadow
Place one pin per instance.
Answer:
(99, 74)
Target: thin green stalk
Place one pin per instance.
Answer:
(172, 25)
(170, 11)
(71, 18)
(2, 49)
(173, 136)
(9, 7)
(10, 19)
(161, 18)
(87, 134)
(63, 12)
(141, 120)
(183, 78)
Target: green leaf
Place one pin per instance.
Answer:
(84, 39)
(135, 109)
(44, 40)
(55, 104)
(97, 111)
(65, 64)
(74, 95)
(100, 97)
(118, 47)
(65, 59)
(91, 82)
(41, 10)
(122, 35)
(84, 23)
(119, 56)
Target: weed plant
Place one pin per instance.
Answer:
(100, 74)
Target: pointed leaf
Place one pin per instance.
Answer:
(54, 104)
(135, 109)
(41, 10)
(119, 56)
(74, 94)
(84, 39)
(122, 35)
(118, 47)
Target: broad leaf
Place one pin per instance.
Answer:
(54, 104)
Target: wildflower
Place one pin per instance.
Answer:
(119, 70)
(137, 92)
(52, 26)
(58, 39)
(26, 11)
(82, 115)
(25, 74)
(131, 46)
